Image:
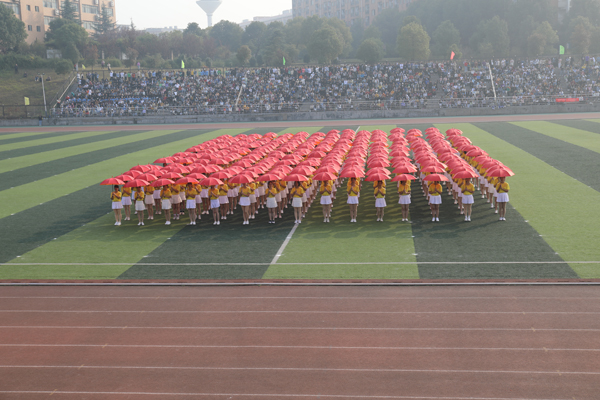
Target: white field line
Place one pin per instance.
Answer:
(276, 395)
(297, 369)
(279, 253)
(294, 312)
(283, 245)
(303, 328)
(158, 346)
(492, 298)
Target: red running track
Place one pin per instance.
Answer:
(429, 343)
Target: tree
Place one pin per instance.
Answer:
(581, 37)
(105, 25)
(491, 38)
(388, 23)
(443, 37)
(243, 54)
(63, 66)
(543, 40)
(69, 11)
(67, 36)
(193, 29)
(413, 42)
(227, 34)
(325, 44)
(456, 50)
(343, 33)
(589, 9)
(371, 51)
(254, 36)
(275, 49)
(12, 30)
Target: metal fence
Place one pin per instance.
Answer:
(438, 103)
(21, 112)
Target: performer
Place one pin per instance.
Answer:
(467, 197)
(149, 200)
(404, 200)
(435, 199)
(502, 188)
(140, 205)
(165, 195)
(245, 202)
(353, 193)
(116, 196)
(272, 201)
(297, 192)
(380, 204)
(213, 194)
(126, 201)
(326, 191)
(190, 202)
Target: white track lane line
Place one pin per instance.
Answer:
(277, 395)
(159, 346)
(492, 298)
(310, 264)
(295, 312)
(294, 369)
(303, 328)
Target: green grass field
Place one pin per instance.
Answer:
(56, 222)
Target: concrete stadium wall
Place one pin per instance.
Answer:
(308, 116)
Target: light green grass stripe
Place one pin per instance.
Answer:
(46, 156)
(307, 129)
(29, 195)
(594, 120)
(578, 137)
(371, 128)
(56, 139)
(568, 221)
(102, 242)
(23, 134)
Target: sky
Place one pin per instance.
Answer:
(163, 13)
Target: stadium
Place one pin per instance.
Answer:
(278, 232)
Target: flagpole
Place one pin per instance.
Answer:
(493, 86)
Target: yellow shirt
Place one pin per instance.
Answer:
(213, 193)
(223, 189)
(126, 191)
(379, 192)
(175, 189)
(435, 189)
(245, 191)
(165, 194)
(326, 189)
(252, 187)
(468, 189)
(116, 196)
(353, 190)
(149, 190)
(297, 191)
(190, 194)
(271, 192)
(502, 187)
(139, 196)
(404, 189)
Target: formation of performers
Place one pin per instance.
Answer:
(274, 172)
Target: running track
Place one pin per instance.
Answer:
(283, 342)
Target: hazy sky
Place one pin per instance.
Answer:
(162, 13)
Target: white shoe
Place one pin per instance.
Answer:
(496, 212)
(381, 220)
(142, 224)
(325, 220)
(214, 223)
(139, 223)
(437, 220)
(218, 222)
(119, 223)
(253, 217)
(224, 217)
(256, 212)
(116, 223)
(492, 205)
(466, 218)
(168, 223)
(433, 219)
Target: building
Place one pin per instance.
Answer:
(158, 31)
(283, 17)
(37, 14)
(350, 11)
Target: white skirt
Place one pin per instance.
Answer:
(468, 199)
(304, 198)
(325, 200)
(352, 200)
(149, 199)
(435, 199)
(190, 203)
(223, 200)
(404, 199)
(140, 205)
(380, 202)
(244, 201)
(502, 198)
(126, 201)
(198, 199)
(231, 193)
(176, 199)
(271, 202)
(278, 197)
(182, 196)
(261, 190)
(215, 203)
(156, 195)
(297, 202)
(252, 198)
(117, 205)
(204, 193)
(166, 204)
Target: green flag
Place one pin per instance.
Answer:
(283, 60)
(561, 50)
(182, 64)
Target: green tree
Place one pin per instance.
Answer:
(105, 25)
(371, 50)
(325, 44)
(343, 33)
(457, 52)
(274, 50)
(581, 38)
(491, 38)
(389, 23)
(193, 29)
(67, 36)
(543, 40)
(443, 37)
(413, 42)
(12, 30)
(227, 34)
(372, 32)
(243, 54)
(63, 66)
(589, 9)
(254, 36)
(68, 11)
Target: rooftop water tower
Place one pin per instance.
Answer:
(209, 7)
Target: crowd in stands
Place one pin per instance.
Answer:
(331, 88)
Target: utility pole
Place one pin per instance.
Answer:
(493, 86)
(44, 93)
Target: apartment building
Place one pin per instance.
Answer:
(37, 14)
(350, 11)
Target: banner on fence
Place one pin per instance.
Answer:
(568, 100)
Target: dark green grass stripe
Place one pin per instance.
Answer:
(575, 161)
(27, 230)
(48, 169)
(485, 239)
(264, 131)
(420, 127)
(61, 145)
(582, 124)
(32, 137)
(230, 242)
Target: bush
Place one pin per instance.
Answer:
(8, 61)
(114, 63)
(63, 67)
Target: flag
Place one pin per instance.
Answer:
(26, 101)
(182, 64)
(82, 66)
(283, 60)
(452, 56)
(561, 50)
